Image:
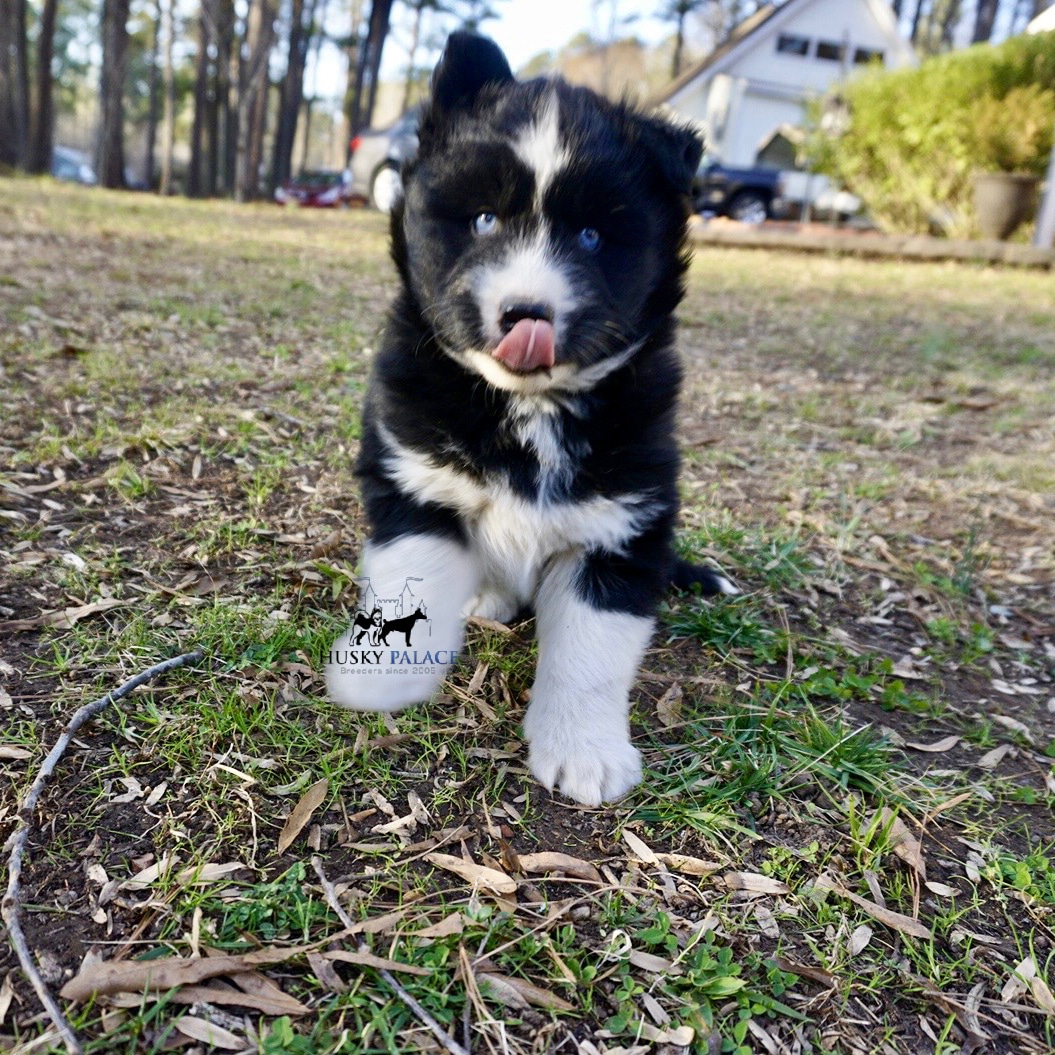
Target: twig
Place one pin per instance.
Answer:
(422, 1015)
(16, 843)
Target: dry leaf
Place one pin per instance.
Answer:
(325, 972)
(195, 875)
(452, 924)
(209, 1033)
(310, 801)
(558, 862)
(755, 883)
(150, 874)
(13, 754)
(1020, 981)
(903, 842)
(526, 993)
(691, 866)
(479, 875)
(638, 848)
(895, 920)
(942, 889)
(368, 959)
(815, 974)
(648, 961)
(668, 709)
(63, 618)
(1042, 994)
(947, 743)
(137, 976)
(224, 996)
(859, 940)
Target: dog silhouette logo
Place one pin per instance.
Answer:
(377, 617)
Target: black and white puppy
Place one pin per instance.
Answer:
(518, 437)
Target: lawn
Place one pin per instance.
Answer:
(845, 838)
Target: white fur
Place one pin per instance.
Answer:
(577, 724)
(512, 537)
(536, 423)
(539, 146)
(449, 578)
(529, 273)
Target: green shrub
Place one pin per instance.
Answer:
(917, 136)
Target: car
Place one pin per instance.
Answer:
(318, 189)
(749, 195)
(72, 166)
(377, 156)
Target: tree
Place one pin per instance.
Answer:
(152, 100)
(43, 127)
(201, 100)
(677, 11)
(252, 97)
(111, 153)
(368, 63)
(984, 18)
(301, 17)
(14, 82)
(168, 82)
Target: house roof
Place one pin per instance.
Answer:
(741, 32)
(1044, 22)
(740, 40)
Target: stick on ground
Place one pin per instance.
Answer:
(419, 1012)
(12, 907)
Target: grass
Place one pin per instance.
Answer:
(867, 456)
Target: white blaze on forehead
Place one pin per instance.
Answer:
(539, 146)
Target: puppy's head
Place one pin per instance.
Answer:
(543, 228)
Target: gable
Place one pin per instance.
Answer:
(805, 45)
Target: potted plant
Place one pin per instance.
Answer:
(1011, 142)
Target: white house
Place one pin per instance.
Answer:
(1043, 23)
(751, 90)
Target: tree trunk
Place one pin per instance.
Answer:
(168, 117)
(379, 33)
(953, 11)
(897, 8)
(43, 127)
(111, 152)
(14, 83)
(412, 54)
(984, 18)
(201, 102)
(292, 93)
(252, 98)
(152, 113)
(916, 19)
(219, 97)
(367, 65)
(679, 46)
(352, 53)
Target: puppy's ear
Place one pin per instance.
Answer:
(469, 62)
(677, 151)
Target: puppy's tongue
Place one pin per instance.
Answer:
(528, 346)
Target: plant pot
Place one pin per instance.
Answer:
(1003, 200)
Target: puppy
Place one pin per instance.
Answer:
(518, 435)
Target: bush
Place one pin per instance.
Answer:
(917, 136)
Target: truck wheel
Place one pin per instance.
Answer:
(749, 207)
(385, 188)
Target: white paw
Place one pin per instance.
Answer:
(590, 770)
(364, 678)
(490, 604)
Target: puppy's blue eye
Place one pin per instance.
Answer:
(485, 223)
(590, 239)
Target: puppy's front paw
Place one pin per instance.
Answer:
(589, 770)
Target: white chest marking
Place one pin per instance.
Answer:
(513, 536)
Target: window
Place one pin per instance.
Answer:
(790, 44)
(828, 49)
(862, 56)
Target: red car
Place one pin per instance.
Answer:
(319, 190)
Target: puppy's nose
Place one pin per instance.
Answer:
(514, 313)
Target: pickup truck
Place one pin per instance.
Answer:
(749, 195)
